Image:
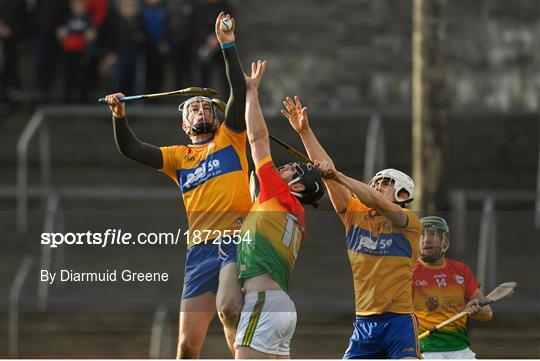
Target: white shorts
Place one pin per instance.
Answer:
(466, 354)
(267, 322)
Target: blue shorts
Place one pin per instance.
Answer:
(386, 336)
(203, 263)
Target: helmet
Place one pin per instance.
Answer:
(312, 181)
(438, 224)
(435, 223)
(401, 182)
(201, 127)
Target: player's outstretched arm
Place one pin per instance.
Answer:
(235, 111)
(367, 195)
(257, 132)
(475, 311)
(298, 118)
(125, 138)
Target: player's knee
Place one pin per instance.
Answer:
(188, 349)
(229, 314)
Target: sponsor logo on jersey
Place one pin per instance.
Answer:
(367, 244)
(460, 279)
(442, 275)
(222, 162)
(432, 303)
(393, 244)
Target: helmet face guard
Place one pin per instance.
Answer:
(402, 182)
(307, 175)
(204, 126)
(437, 225)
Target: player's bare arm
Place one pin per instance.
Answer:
(234, 113)
(298, 118)
(367, 195)
(127, 142)
(257, 132)
(475, 311)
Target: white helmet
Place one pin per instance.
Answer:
(401, 182)
(204, 126)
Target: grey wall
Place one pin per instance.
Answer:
(348, 54)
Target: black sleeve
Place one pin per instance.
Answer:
(133, 148)
(236, 105)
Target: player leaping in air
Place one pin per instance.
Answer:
(443, 287)
(212, 174)
(276, 229)
(382, 244)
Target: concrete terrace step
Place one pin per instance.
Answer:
(83, 148)
(322, 251)
(84, 334)
(127, 334)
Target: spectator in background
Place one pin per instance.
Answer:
(75, 36)
(125, 39)
(210, 61)
(12, 18)
(154, 16)
(181, 39)
(47, 16)
(98, 10)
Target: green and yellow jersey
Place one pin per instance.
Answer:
(273, 230)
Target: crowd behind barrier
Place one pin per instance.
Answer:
(70, 50)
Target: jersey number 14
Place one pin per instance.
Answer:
(441, 282)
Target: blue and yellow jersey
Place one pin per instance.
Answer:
(382, 258)
(275, 228)
(213, 178)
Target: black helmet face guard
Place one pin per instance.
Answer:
(310, 178)
(201, 127)
(298, 172)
